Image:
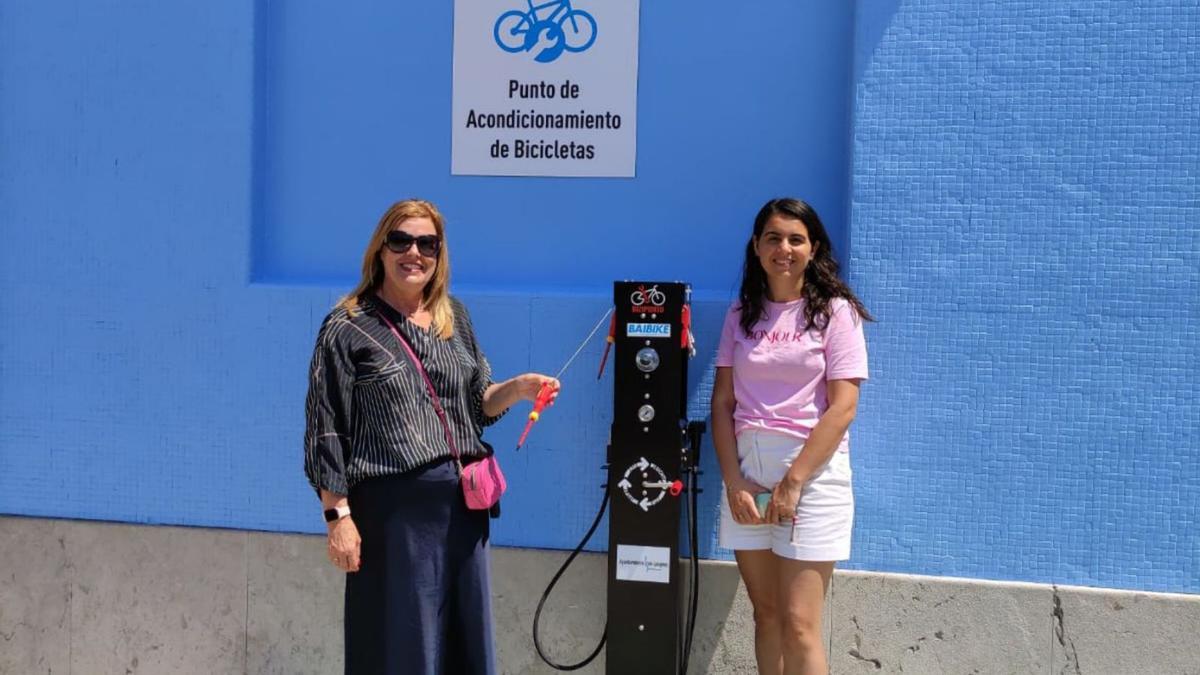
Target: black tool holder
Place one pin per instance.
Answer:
(649, 464)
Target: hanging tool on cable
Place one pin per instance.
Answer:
(545, 396)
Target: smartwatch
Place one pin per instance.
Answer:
(337, 513)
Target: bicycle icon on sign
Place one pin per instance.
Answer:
(648, 296)
(563, 28)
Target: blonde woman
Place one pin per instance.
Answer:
(380, 455)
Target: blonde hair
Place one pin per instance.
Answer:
(436, 294)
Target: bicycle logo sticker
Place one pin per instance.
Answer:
(558, 28)
(649, 300)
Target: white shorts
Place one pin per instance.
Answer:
(824, 514)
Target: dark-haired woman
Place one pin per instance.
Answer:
(791, 359)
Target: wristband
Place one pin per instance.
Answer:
(336, 513)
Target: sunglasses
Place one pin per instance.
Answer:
(428, 245)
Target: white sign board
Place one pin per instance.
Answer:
(644, 563)
(545, 88)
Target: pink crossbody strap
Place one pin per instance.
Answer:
(437, 402)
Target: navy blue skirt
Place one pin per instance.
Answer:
(421, 600)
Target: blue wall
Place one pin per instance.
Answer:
(352, 116)
(181, 200)
(1024, 225)
(187, 190)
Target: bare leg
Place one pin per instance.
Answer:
(802, 587)
(761, 573)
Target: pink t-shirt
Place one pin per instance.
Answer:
(780, 370)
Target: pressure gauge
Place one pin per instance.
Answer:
(647, 359)
(646, 413)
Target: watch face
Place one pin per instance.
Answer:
(331, 515)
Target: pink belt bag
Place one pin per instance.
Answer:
(482, 481)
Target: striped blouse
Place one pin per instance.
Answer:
(368, 410)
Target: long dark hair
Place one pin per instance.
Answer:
(821, 281)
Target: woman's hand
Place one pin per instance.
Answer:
(740, 492)
(502, 396)
(529, 384)
(781, 509)
(345, 546)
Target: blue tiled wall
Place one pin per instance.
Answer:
(1021, 189)
(1026, 195)
(186, 191)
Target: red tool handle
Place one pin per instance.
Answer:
(608, 342)
(686, 321)
(545, 397)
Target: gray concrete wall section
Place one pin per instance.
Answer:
(926, 625)
(84, 597)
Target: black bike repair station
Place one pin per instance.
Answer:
(652, 466)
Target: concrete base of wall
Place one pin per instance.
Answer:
(86, 597)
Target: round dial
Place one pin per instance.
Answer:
(647, 359)
(646, 413)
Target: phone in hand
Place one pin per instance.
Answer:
(761, 500)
